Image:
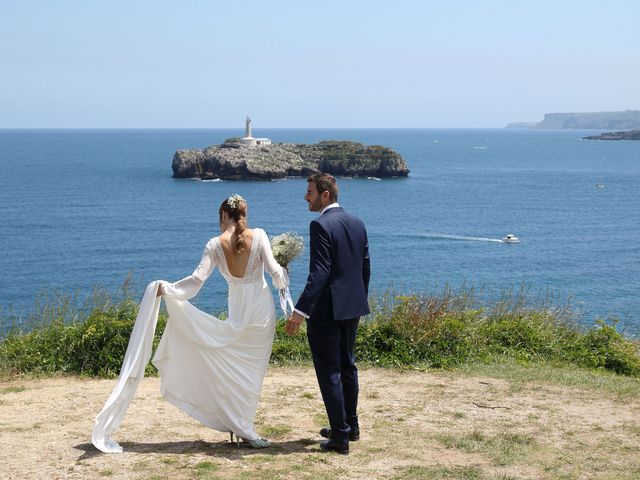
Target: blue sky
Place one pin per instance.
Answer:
(208, 64)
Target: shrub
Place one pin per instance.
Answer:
(289, 350)
(604, 347)
(437, 331)
(94, 347)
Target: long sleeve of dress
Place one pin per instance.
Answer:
(279, 275)
(189, 287)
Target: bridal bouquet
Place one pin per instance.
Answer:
(285, 248)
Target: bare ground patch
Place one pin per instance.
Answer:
(414, 425)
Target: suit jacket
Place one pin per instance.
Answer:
(339, 268)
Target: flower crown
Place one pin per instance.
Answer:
(234, 200)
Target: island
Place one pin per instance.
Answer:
(623, 135)
(251, 158)
(624, 120)
(235, 160)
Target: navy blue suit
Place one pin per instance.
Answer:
(335, 297)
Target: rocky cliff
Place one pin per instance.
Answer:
(625, 120)
(234, 161)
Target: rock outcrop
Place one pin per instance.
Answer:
(624, 135)
(233, 161)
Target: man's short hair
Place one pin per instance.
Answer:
(325, 183)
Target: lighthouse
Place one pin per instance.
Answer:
(248, 138)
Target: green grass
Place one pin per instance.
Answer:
(440, 473)
(623, 388)
(12, 390)
(417, 330)
(502, 448)
(204, 470)
(275, 431)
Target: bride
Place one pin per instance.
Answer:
(209, 368)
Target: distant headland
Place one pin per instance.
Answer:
(250, 158)
(626, 120)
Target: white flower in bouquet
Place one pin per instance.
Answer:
(286, 247)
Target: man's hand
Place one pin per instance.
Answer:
(293, 323)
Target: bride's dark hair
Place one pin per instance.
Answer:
(236, 208)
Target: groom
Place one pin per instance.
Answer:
(333, 301)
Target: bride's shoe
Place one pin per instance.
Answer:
(257, 443)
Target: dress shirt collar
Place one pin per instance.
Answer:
(331, 205)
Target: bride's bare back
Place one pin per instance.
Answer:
(236, 262)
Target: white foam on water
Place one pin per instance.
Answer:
(461, 237)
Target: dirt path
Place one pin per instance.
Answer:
(414, 425)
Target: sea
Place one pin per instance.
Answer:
(81, 209)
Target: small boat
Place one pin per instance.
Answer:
(510, 239)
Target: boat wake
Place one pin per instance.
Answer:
(461, 237)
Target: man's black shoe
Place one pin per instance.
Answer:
(333, 446)
(354, 434)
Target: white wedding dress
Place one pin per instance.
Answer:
(209, 368)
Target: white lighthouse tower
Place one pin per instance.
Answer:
(248, 138)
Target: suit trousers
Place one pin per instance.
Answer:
(332, 344)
